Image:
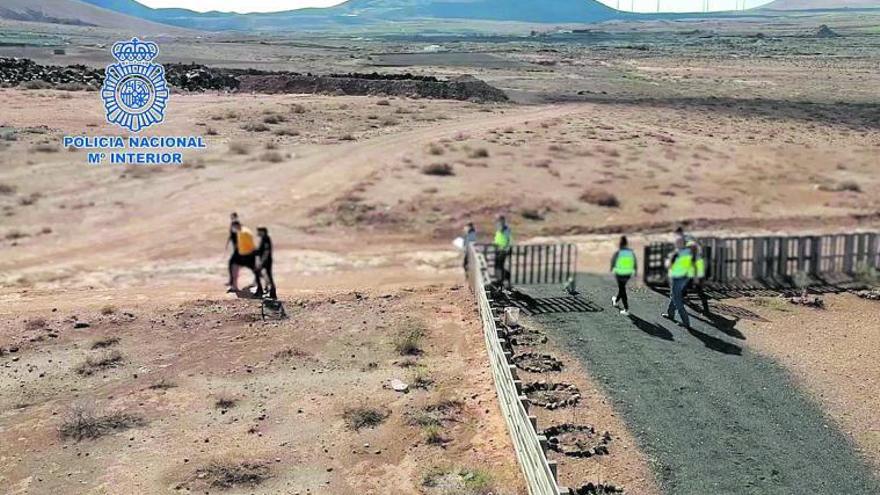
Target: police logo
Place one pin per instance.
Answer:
(135, 92)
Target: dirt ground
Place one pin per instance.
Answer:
(653, 125)
(286, 387)
(832, 352)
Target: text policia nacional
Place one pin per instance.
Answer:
(135, 150)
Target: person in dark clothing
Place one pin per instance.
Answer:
(264, 262)
(470, 237)
(624, 266)
(699, 276)
(243, 255)
(233, 240)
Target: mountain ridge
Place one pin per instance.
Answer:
(374, 11)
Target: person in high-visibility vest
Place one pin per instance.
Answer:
(624, 266)
(503, 241)
(680, 270)
(698, 274)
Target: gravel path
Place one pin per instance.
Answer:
(714, 417)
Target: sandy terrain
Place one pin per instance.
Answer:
(289, 384)
(833, 353)
(728, 132)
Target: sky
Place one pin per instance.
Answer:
(244, 6)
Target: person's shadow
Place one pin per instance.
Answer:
(651, 329)
(720, 323)
(715, 343)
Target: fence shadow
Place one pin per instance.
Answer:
(546, 305)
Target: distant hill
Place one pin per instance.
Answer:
(358, 12)
(77, 13)
(822, 4)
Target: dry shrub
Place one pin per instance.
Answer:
(458, 482)
(360, 417)
(272, 157)
(255, 127)
(7, 189)
(434, 435)
(273, 119)
(227, 475)
(45, 148)
(37, 84)
(408, 340)
(108, 310)
(225, 402)
(162, 384)
(105, 342)
(599, 197)
(383, 103)
(111, 359)
(532, 214)
(438, 169)
(435, 149)
(83, 422)
(239, 148)
(35, 324)
(478, 153)
(285, 131)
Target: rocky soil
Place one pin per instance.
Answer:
(193, 77)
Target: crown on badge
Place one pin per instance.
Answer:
(135, 51)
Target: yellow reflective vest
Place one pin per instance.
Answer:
(683, 264)
(625, 262)
(503, 238)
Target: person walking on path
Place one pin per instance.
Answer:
(624, 266)
(502, 242)
(470, 237)
(680, 265)
(698, 274)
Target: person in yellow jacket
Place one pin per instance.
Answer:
(624, 266)
(244, 255)
(503, 241)
(680, 270)
(698, 274)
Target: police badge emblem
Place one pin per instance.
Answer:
(135, 91)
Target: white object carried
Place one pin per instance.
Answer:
(459, 243)
(511, 316)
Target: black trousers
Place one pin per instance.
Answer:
(247, 261)
(267, 268)
(697, 286)
(502, 274)
(621, 290)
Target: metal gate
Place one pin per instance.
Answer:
(774, 259)
(535, 263)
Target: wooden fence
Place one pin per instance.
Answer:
(775, 260)
(539, 472)
(535, 263)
